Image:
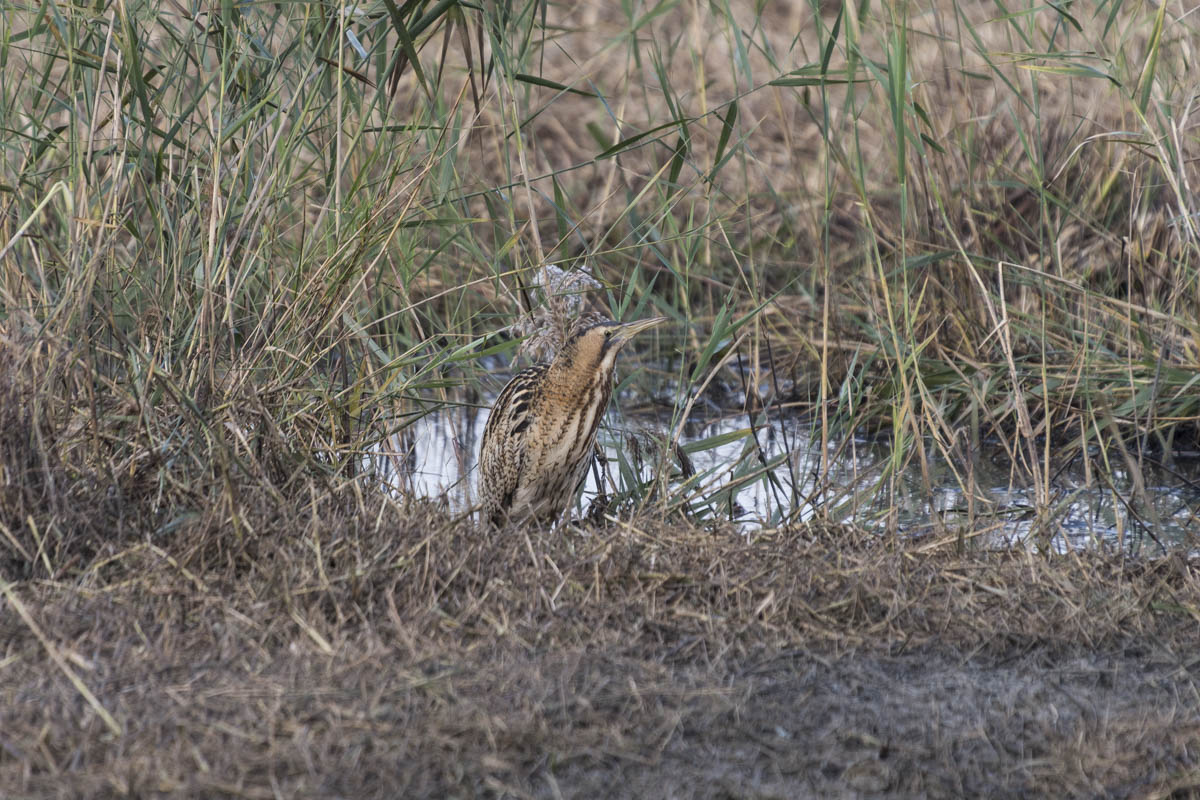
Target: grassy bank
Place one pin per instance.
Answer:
(382, 652)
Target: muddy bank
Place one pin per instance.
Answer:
(379, 651)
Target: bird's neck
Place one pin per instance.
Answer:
(582, 375)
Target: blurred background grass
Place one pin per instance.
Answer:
(242, 245)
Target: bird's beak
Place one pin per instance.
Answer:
(627, 330)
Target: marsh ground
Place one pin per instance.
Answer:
(396, 653)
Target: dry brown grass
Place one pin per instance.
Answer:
(197, 630)
(366, 649)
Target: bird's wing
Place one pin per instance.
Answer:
(502, 456)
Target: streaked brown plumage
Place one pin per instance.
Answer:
(539, 438)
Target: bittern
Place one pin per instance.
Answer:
(539, 439)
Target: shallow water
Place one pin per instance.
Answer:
(435, 457)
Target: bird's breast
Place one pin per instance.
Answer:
(568, 424)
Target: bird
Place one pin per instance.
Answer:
(539, 438)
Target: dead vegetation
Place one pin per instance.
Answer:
(307, 637)
(361, 648)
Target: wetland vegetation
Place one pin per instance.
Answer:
(248, 249)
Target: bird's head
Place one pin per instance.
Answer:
(595, 346)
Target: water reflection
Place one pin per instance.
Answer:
(765, 475)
